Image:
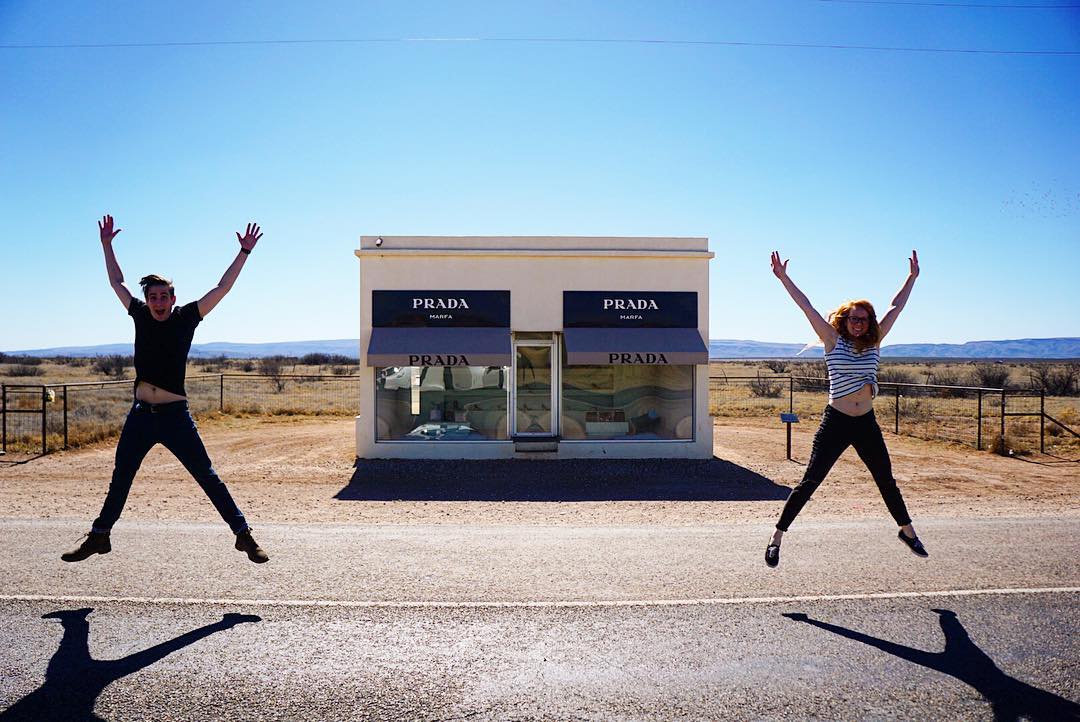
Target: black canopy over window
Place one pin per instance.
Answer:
(601, 346)
(419, 346)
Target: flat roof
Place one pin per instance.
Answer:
(534, 243)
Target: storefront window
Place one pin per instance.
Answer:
(441, 403)
(631, 402)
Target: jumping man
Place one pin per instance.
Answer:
(160, 415)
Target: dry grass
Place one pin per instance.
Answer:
(941, 415)
(77, 370)
(96, 412)
(1016, 374)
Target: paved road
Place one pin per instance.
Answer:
(543, 622)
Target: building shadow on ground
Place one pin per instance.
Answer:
(73, 680)
(557, 480)
(1009, 698)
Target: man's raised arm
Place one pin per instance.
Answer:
(247, 242)
(116, 276)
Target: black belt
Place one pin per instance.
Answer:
(170, 408)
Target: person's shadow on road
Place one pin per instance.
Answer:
(1009, 698)
(73, 680)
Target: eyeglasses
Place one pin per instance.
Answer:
(858, 319)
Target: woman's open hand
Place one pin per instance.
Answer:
(779, 268)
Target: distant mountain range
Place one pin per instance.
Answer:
(1026, 348)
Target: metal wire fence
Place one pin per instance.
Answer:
(1003, 420)
(37, 418)
(43, 417)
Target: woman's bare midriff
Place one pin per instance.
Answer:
(153, 395)
(856, 403)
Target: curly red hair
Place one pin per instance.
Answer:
(873, 332)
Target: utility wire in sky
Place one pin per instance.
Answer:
(1003, 6)
(613, 41)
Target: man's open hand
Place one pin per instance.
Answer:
(105, 227)
(249, 239)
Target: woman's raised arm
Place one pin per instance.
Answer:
(822, 328)
(898, 303)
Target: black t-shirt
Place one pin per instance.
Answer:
(161, 347)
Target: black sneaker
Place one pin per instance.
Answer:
(913, 544)
(245, 543)
(772, 555)
(95, 542)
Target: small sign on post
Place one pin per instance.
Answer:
(788, 420)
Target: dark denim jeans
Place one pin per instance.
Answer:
(172, 426)
(837, 432)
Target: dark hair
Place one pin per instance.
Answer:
(155, 280)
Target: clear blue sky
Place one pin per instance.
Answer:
(844, 159)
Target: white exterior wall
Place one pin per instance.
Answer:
(536, 271)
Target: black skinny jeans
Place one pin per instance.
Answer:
(836, 433)
(172, 426)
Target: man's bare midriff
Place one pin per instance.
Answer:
(856, 403)
(153, 395)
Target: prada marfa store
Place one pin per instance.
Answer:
(503, 347)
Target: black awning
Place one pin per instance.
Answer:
(418, 346)
(616, 346)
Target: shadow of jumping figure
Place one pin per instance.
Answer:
(73, 680)
(1009, 698)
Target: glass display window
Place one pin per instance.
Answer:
(631, 403)
(441, 403)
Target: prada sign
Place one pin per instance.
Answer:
(637, 358)
(615, 328)
(439, 328)
(629, 309)
(440, 309)
(437, 359)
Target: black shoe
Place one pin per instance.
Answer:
(772, 555)
(245, 543)
(913, 544)
(95, 542)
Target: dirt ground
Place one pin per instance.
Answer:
(291, 469)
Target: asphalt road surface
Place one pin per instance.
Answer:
(489, 622)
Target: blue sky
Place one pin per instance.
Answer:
(843, 159)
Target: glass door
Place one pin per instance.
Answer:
(533, 393)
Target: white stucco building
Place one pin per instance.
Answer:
(498, 347)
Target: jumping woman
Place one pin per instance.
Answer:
(852, 338)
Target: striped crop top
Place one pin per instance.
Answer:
(850, 370)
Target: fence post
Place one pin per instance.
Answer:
(3, 414)
(896, 420)
(978, 436)
(1042, 421)
(1003, 451)
(65, 418)
(44, 420)
(221, 392)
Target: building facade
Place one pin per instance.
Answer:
(503, 347)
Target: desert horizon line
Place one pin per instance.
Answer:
(1059, 347)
